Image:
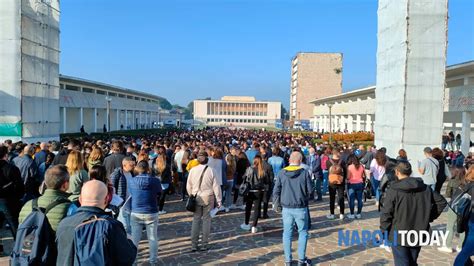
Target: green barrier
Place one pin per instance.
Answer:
(10, 129)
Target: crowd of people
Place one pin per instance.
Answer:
(91, 189)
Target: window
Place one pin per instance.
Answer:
(72, 88)
(88, 90)
(121, 96)
(112, 94)
(129, 97)
(101, 92)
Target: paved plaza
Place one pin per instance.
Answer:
(233, 246)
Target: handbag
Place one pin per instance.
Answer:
(191, 203)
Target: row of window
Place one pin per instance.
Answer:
(240, 113)
(102, 92)
(231, 120)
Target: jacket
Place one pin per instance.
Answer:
(259, 184)
(29, 173)
(56, 214)
(113, 162)
(119, 181)
(61, 157)
(409, 204)
(209, 186)
(40, 157)
(12, 188)
(121, 249)
(292, 188)
(367, 159)
(144, 190)
(75, 183)
(314, 163)
(165, 177)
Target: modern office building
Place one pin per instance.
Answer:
(238, 111)
(313, 76)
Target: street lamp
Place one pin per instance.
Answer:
(330, 122)
(108, 99)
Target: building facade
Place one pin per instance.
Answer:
(96, 105)
(313, 76)
(355, 110)
(238, 111)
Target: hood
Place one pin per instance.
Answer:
(293, 171)
(410, 184)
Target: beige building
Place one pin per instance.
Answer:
(238, 111)
(313, 76)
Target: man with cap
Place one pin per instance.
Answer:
(93, 201)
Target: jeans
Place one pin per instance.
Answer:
(202, 219)
(183, 178)
(375, 188)
(325, 181)
(451, 229)
(124, 218)
(255, 199)
(317, 187)
(290, 217)
(161, 202)
(404, 256)
(150, 221)
(10, 219)
(463, 257)
(355, 192)
(228, 193)
(339, 189)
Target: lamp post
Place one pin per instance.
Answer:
(108, 99)
(330, 123)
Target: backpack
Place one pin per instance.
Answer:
(461, 205)
(35, 239)
(335, 175)
(90, 239)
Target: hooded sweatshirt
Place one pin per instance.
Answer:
(292, 187)
(409, 205)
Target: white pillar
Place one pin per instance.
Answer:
(358, 123)
(126, 119)
(81, 116)
(64, 119)
(95, 119)
(368, 123)
(118, 119)
(350, 123)
(466, 132)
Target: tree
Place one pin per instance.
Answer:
(165, 104)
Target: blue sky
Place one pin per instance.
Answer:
(189, 49)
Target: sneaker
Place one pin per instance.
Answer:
(387, 248)
(233, 207)
(227, 210)
(194, 249)
(221, 209)
(445, 249)
(341, 216)
(330, 216)
(376, 204)
(351, 216)
(162, 212)
(245, 227)
(358, 216)
(338, 207)
(254, 230)
(304, 262)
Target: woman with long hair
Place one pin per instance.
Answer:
(216, 162)
(163, 172)
(336, 185)
(402, 155)
(241, 167)
(355, 185)
(144, 190)
(457, 181)
(77, 175)
(443, 170)
(259, 181)
(377, 170)
(96, 157)
(467, 250)
(230, 174)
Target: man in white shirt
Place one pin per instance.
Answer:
(429, 168)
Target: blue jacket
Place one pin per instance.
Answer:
(277, 163)
(29, 173)
(119, 181)
(144, 190)
(292, 188)
(122, 250)
(314, 163)
(251, 155)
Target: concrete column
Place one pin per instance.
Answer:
(81, 116)
(64, 119)
(358, 123)
(95, 119)
(118, 119)
(466, 132)
(350, 123)
(368, 123)
(126, 119)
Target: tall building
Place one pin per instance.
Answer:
(313, 76)
(239, 111)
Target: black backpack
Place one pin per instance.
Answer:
(461, 205)
(35, 239)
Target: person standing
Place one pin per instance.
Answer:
(291, 195)
(77, 175)
(409, 204)
(377, 170)
(467, 250)
(429, 168)
(29, 172)
(114, 160)
(355, 186)
(145, 191)
(230, 174)
(242, 165)
(259, 180)
(202, 183)
(40, 157)
(324, 167)
(443, 170)
(314, 163)
(163, 172)
(336, 186)
(178, 157)
(119, 179)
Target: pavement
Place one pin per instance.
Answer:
(231, 245)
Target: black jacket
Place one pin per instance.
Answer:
(121, 249)
(113, 162)
(12, 188)
(256, 183)
(61, 157)
(410, 205)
